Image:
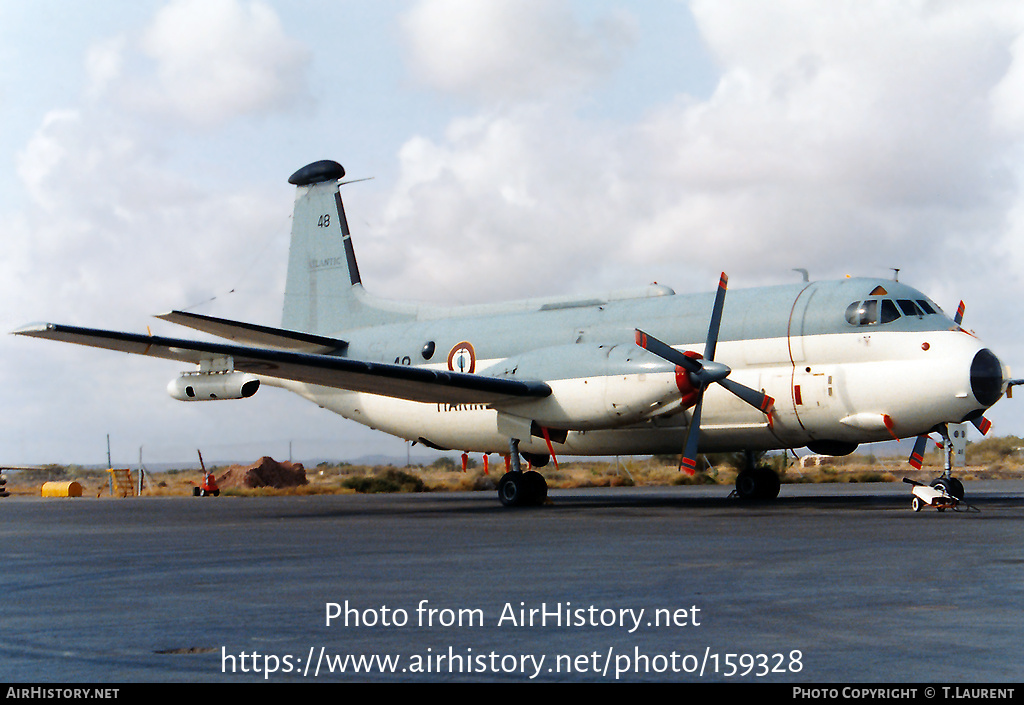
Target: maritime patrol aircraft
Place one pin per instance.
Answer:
(826, 365)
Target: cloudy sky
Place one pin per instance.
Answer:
(518, 148)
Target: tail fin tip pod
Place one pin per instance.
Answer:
(317, 172)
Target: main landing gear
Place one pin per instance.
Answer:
(517, 488)
(756, 481)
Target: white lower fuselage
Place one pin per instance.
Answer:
(855, 387)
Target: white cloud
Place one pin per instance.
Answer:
(848, 138)
(109, 203)
(510, 50)
(117, 228)
(206, 62)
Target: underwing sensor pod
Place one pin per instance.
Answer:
(210, 386)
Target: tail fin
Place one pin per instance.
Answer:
(324, 293)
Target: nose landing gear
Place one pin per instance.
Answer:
(945, 491)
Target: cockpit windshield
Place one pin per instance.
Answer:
(878, 311)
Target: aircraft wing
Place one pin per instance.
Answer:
(401, 381)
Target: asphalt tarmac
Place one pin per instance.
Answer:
(830, 583)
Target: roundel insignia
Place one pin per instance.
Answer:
(462, 358)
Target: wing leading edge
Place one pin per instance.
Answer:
(400, 381)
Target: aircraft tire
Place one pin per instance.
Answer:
(521, 489)
(510, 489)
(536, 487)
(951, 485)
(759, 483)
(746, 484)
(769, 483)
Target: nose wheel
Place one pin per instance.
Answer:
(950, 485)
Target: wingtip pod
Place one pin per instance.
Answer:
(32, 329)
(317, 172)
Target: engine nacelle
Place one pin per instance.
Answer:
(209, 386)
(593, 386)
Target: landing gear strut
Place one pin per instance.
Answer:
(517, 488)
(757, 481)
(946, 482)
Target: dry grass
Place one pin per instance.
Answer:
(995, 463)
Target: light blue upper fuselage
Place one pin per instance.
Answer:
(505, 330)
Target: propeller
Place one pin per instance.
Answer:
(702, 373)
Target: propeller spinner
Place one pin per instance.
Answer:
(702, 373)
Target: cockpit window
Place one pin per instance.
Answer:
(909, 308)
(862, 313)
(876, 311)
(889, 312)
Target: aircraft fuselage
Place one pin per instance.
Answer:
(836, 383)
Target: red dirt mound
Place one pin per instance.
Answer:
(266, 472)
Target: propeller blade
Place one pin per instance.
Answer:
(759, 400)
(667, 352)
(959, 317)
(982, 424)
(917, 455)
(716, 318)
(688, 463)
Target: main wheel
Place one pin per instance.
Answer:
(746, 484)
(511, 489)
(536, 487)
(759, 483)
(769, 483)
(520, 489)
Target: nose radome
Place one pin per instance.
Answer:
(986, 377)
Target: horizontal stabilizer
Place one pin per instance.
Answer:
(252, 334)
(399, 381)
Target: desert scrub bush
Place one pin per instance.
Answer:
(391, 480)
